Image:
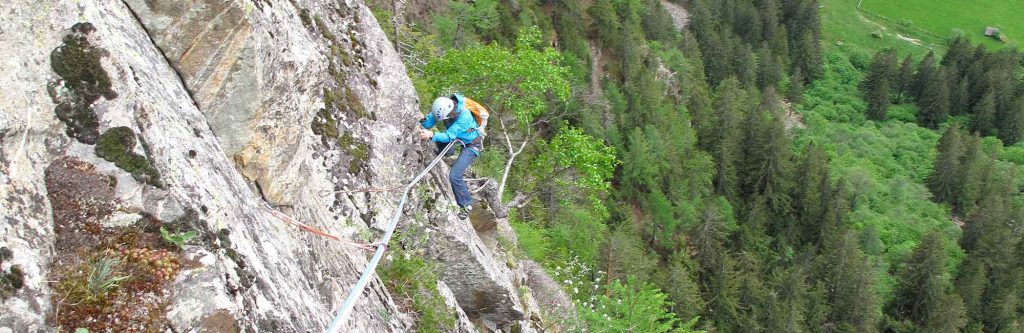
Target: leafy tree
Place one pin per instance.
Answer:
(516, 84)
(634, 306)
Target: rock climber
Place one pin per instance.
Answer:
(464, 121)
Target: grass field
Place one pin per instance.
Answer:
(941, 17)
(843, 27)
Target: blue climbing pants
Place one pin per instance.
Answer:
(457, 176)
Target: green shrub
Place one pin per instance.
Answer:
(413, 282)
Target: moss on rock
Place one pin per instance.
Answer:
(77, 63)
(116, 145)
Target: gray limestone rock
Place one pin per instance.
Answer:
(255, 114)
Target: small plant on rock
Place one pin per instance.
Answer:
(102, 278)
(178, 239)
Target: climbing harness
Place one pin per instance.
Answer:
(371, 267)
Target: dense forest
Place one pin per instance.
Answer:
(742, 174)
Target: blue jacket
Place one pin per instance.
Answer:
(463, 127)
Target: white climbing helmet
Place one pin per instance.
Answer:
(442, 107)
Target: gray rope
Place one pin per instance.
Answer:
(357, 289)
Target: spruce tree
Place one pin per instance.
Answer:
(985, 114)
(945, 174)
(959, 100)
(795, 91)
(877, 84)
(922, 291)
(850, 277)
(769, 70)
(903, 78)
(934, 101)
(922, 78)
(1011, 125)
(730, 103)
(806, 55)
(812, 185)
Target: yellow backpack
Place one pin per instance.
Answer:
(479, 113)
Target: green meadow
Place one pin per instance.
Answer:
(941, 19)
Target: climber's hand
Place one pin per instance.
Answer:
(426, 134)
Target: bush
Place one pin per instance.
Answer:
(413, 282)
(633, 307)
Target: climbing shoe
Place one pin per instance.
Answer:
(464, 212)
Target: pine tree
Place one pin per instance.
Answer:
(925, 71)
(934, 101)
(903, 78)
(985, 114)
(945, 174)
(769, 70)
(730, 102)
(877, 83)
(922, 292)
(1011, 125)
(795, 91)
(812, 184)
(850, 277)
(605, 24)
(806, 55)
(959, 101)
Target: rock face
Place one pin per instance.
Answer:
(246, 117)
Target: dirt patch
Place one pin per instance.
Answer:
(914, 41)
(219, 322)
(793, 119)
(81, 198)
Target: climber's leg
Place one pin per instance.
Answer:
(456, 177)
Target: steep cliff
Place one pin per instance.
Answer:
(235, 120)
